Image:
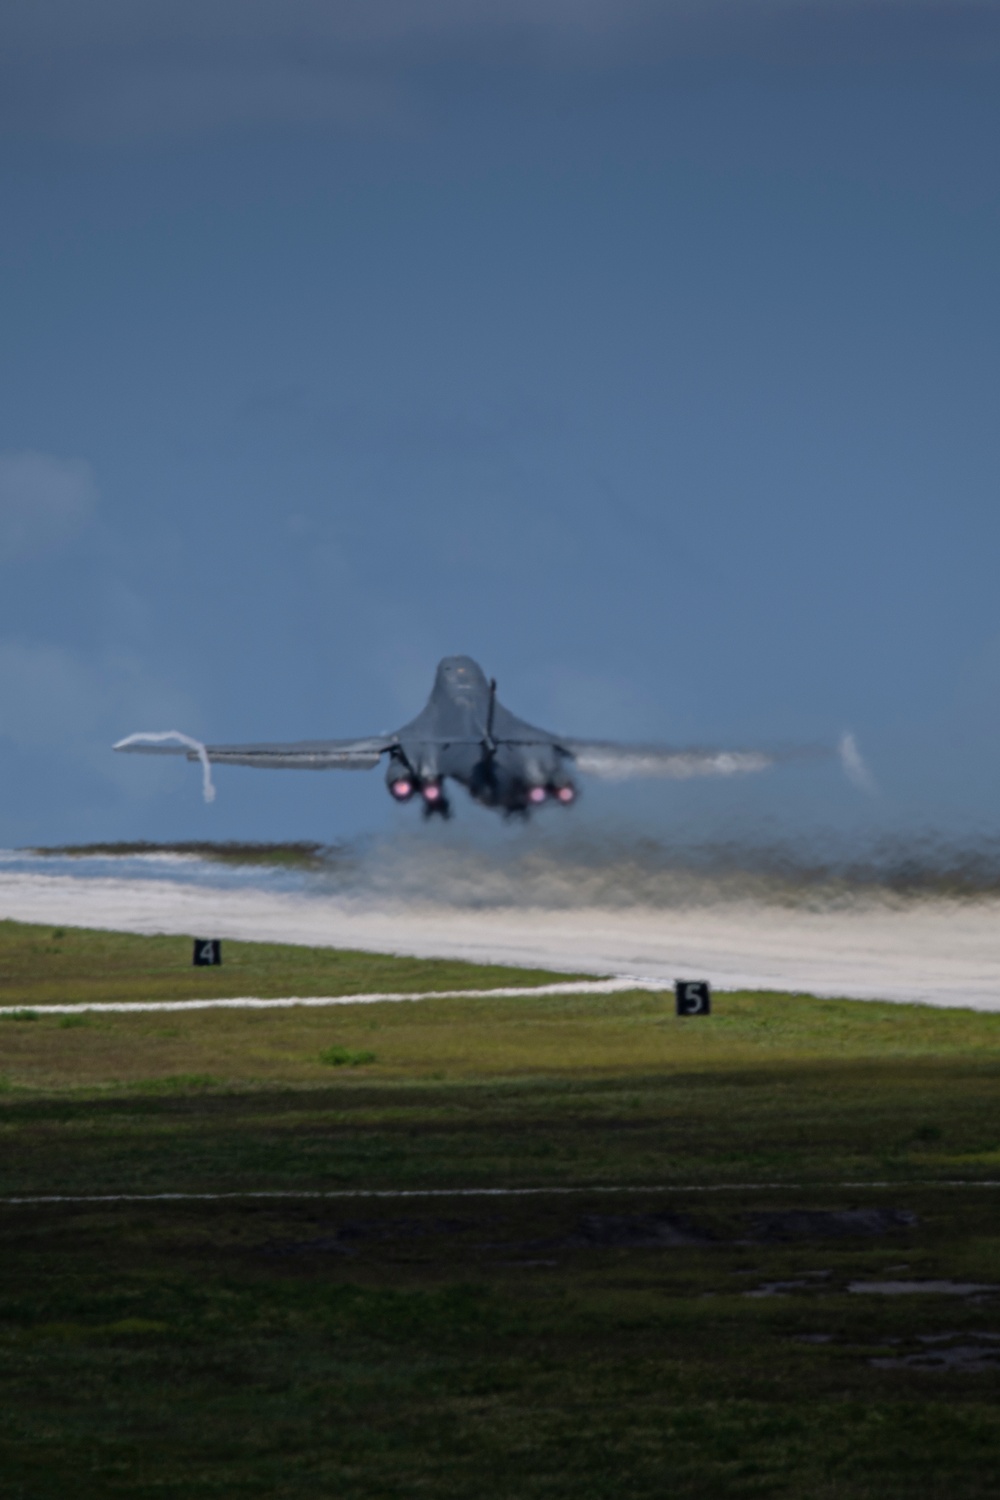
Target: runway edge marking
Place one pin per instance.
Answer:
(255, 1002)
(478, 1192)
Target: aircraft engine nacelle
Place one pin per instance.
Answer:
(563, 792)
(405, 783)
(547, 779)
(400, 780)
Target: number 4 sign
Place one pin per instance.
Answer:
(207, 951)
(694, 997)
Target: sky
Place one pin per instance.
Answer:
(647, 353)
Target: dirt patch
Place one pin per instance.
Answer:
(349, 1237)
(944, 1353)
(923, 1288)
(637, 1232)
(777, 1288)
(816, 1224)
(657, 1230)
(672, 1230)
(809, 1281)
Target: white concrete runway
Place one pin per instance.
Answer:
(935, 952)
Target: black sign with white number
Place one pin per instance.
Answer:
(207, 951)
(694, 997)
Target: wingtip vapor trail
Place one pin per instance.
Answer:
(854, 766)
(185, 740)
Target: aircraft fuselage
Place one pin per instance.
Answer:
(465, 734)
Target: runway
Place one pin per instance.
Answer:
(934, 952)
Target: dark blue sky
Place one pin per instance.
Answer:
(654, 363)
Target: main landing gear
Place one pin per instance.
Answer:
(436, 804)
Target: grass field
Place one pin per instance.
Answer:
(693, 1333)
(68, 965)
(296, 856)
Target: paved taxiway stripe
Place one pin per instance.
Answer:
(482, 1192)
(254, 1002)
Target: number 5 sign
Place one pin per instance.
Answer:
(694, 997)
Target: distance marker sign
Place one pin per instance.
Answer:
(694, 997)
(206, 951)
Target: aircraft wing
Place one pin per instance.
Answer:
(622, 762)
(304, 755)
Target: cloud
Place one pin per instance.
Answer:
(148, 67)
(44, 502)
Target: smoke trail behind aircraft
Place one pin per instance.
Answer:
(855, 768)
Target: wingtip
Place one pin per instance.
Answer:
(146, 741)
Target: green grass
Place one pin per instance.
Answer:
(490, 1347)
(344, 1057)
(301, 855)
(39, 966)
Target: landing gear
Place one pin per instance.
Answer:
(435, 801)
(439, 807)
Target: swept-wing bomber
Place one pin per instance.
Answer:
(464, 733)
